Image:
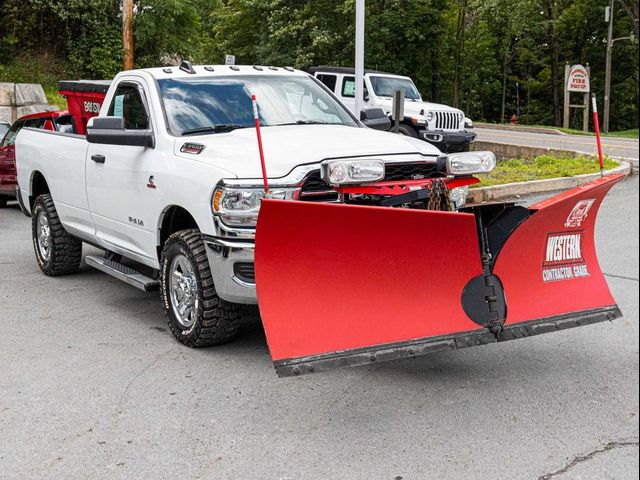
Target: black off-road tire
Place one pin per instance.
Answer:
(3, 201)
(217, 321)
(408, 130)
(66, 250)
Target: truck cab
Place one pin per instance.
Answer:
(441, 125)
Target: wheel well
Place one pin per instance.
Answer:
(175, 219)
(39, 187)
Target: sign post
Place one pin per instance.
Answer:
(359, 60)
(576, 79)
(397, 112)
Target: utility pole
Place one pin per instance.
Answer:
(127, 33)
(607, 74)
(359, 63)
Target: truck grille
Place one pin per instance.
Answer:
(315, 189)
(448, 121)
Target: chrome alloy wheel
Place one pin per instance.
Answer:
(44, 236)
(183, 290)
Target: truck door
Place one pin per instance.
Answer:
(119, 187)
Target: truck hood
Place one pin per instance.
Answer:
(286, 147)
(414, 108)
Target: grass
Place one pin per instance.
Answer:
(546, 166)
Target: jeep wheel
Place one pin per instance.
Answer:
(407, 130)
(196, 315)
(3, 201)
(57, 252)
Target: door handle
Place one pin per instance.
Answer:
(98, 158)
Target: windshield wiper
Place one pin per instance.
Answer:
(304, 122)
(221, 127)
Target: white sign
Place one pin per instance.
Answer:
(578, 80)
(229, 59)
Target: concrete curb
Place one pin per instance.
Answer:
(519, 128)
(515, 190)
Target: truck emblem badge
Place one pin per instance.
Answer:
(579, 213)
(151, 184)
(194, 148)
(417, 176)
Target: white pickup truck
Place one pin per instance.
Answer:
(168, 179)
(443, 126)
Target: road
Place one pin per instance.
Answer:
(93, 385)
(614, 147)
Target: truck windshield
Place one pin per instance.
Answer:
(387, 86)
(218, 104)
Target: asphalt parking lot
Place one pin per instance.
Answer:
(93, 385)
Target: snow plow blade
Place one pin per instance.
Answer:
(549, 268)
(346, 285)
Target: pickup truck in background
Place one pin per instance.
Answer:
(441, 125)
(168, 181)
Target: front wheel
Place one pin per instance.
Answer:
(408, 130)
(57, 252)
(196, 315)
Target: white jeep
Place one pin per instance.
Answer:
(441, 125)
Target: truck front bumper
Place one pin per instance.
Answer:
(438, 137)
(231, 263)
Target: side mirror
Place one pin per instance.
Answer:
(376, 118)
(111, 131)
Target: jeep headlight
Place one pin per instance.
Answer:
(418, 120)
(470, 163)
(430, 116)
(341, 172)
(239, 206)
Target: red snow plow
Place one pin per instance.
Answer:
(358, 283)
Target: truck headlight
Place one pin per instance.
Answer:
(340, 172)
(239, 206)
(470, 163)
(430, 116)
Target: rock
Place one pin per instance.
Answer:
(6, 114)
(7, 94)
(29, 94)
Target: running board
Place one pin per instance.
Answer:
(122, 272)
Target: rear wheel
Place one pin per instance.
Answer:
(57, 252)
(3, 201)
(196, 315)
